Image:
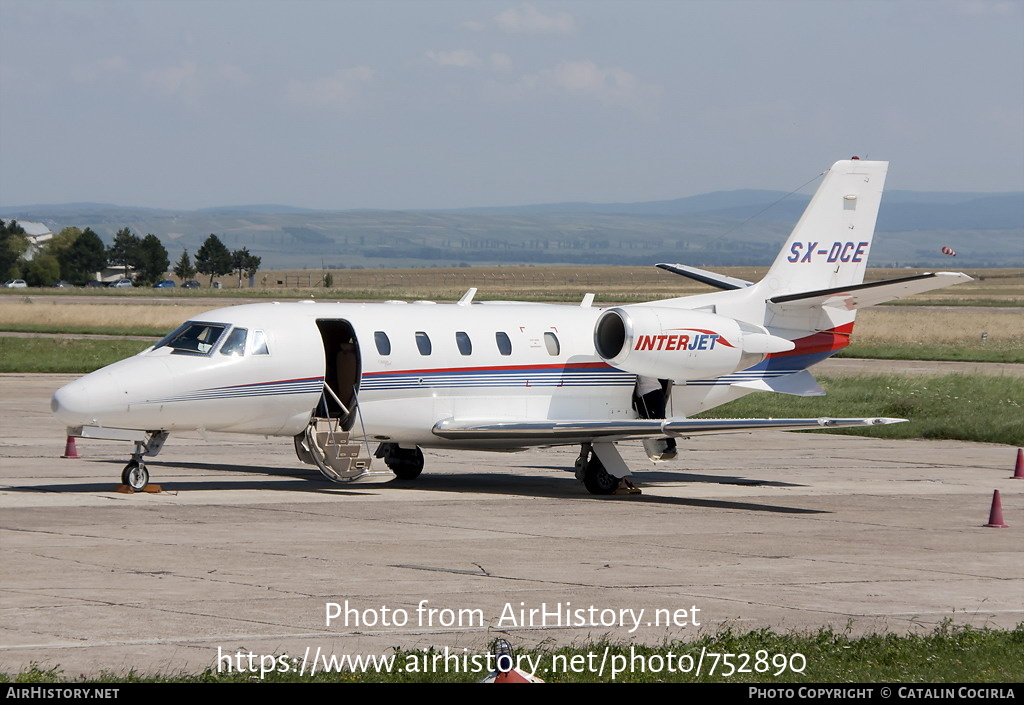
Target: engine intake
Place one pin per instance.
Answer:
(680, 344)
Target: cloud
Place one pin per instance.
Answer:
(95, 71)
(500, 62)
(1004, 8)
(229, 73)
(175, 81)
(468, 59)
(527, 19)
(585, 79)
(463, 58)
(340, 91)
(192, 84)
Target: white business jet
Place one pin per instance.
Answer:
(340, 378)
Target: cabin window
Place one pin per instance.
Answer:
(193, 338)
(235, 344)
(383, 343)
(551, 343)
(259, 343)
(464, 343)
(504, 344)
(423, 343)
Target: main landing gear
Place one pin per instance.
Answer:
(602, 471)
(406, 463)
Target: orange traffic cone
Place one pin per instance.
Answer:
(995, 515)
(1018, 472)
(70, 449)
(513, 676)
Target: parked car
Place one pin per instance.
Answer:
(93, 282)
(60, 284)
(121, 284)
(16, 284)
(191, 284)
(165, 284)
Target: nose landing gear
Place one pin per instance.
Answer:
(135, 474)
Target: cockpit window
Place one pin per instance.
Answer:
(193, 338)
(259, 343)
(235, 344)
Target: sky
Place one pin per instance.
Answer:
(422, 104)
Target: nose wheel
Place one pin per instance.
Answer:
(135, 475)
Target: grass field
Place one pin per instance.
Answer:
(991, 287)
(946, 655)
(910, 333)
(903, 332)
(959, 407)
(57, 316)
(63, 355)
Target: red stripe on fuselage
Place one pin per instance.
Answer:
(495, 368)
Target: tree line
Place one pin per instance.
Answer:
(76, 255)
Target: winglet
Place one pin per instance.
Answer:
(467, 298)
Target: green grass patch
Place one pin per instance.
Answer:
(1002, 351)
(82, 330)
(986, 302)
(64, 354)
(949, 654)
(962, 407)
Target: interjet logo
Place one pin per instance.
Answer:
(701, 340)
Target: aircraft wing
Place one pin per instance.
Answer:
(570, 432)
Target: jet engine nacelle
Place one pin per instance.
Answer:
(680, 344)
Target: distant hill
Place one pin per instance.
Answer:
(901, 210)
(743, 227)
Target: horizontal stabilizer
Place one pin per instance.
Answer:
(558, 432)
(705, 277)
(799, 384)
(860, 295)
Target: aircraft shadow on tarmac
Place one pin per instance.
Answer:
(561, 486)
(681, 476)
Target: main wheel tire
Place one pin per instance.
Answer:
(597, 480)
(135, 475)
(406, 463)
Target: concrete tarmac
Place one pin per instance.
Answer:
(246, 548)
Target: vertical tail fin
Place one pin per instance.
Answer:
(829, 246)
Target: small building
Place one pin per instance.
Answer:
(37, 235)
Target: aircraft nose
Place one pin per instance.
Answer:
(81, 402)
